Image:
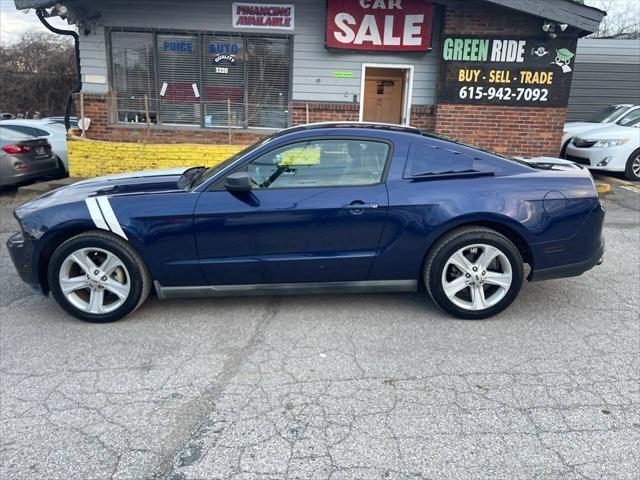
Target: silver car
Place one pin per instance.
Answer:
(24, 157)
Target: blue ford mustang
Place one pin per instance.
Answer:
(318, 208)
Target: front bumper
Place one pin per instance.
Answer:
(21, 252)
(616, 157)
(572, 269)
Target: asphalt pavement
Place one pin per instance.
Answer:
(343, 387)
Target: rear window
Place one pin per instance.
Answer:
(29, 131)
(426, 160)
(10, 135)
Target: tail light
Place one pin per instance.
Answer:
(16, 148)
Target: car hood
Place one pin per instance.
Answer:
(121, 184)
(611, 133)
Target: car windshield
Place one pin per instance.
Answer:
(211, 172)
(609, 114)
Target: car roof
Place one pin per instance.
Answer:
(355, 125)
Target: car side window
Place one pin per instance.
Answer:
(320, 163)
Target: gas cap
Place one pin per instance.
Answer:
(554, 202)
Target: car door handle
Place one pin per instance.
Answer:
(357, 207)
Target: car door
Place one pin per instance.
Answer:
(315, 213)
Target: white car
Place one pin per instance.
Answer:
(609, 115)
(614, 148)
(53, 131)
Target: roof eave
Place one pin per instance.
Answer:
(576, 15)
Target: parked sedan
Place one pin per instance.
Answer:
(319, 208)
(613, 114)
(53, 131)
(24, 158)
(613, 148)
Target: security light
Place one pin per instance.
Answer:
(546, 26)
(564, 26)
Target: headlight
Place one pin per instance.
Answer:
(610, 143)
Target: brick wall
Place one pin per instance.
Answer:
(92, 158)
(422, 116)
(324, 112)
(96, 107)
(512, 130)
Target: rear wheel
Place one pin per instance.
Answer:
(632, 171)
(97, 277)
(474, 273)
(61, 171)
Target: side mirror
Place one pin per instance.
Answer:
(238, 182)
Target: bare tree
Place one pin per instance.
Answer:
(36, 73)
(623, 18)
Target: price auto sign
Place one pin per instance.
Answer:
(521, 71)
(379, 25)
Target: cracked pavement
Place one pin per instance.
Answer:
(330, 387)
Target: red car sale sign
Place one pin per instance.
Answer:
(386, 25)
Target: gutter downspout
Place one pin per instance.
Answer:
(78, 87)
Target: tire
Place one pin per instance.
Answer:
(61, 171)
(117, 292)
(563, 150)
(632, 170)
(467, 302)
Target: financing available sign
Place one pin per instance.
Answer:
(525, 71)
(379, 25)
(263, 15)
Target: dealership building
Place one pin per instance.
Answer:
(218, 74)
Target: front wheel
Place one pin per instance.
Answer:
(97, 277)
(474, 273)
(632, 171)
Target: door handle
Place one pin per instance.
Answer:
(358, 207)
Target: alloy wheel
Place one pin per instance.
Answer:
(94, 280)
(477, 277)
(635, 166)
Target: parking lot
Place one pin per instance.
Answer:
(343, 387)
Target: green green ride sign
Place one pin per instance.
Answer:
(525, 71)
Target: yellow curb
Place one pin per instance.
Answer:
(603, 187)
(617, 181)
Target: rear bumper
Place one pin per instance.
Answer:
(570, 270)
(43, 168)
(21, 252)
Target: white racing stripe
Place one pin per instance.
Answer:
(96, 214)
(110, 216)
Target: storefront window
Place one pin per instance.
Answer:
(212, 80)
(134, 75)
(179, 79)
(224, 76)
(268, 81)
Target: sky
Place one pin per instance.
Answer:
(13, 23)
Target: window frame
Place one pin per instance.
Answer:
(219, 184)
(113, 113)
